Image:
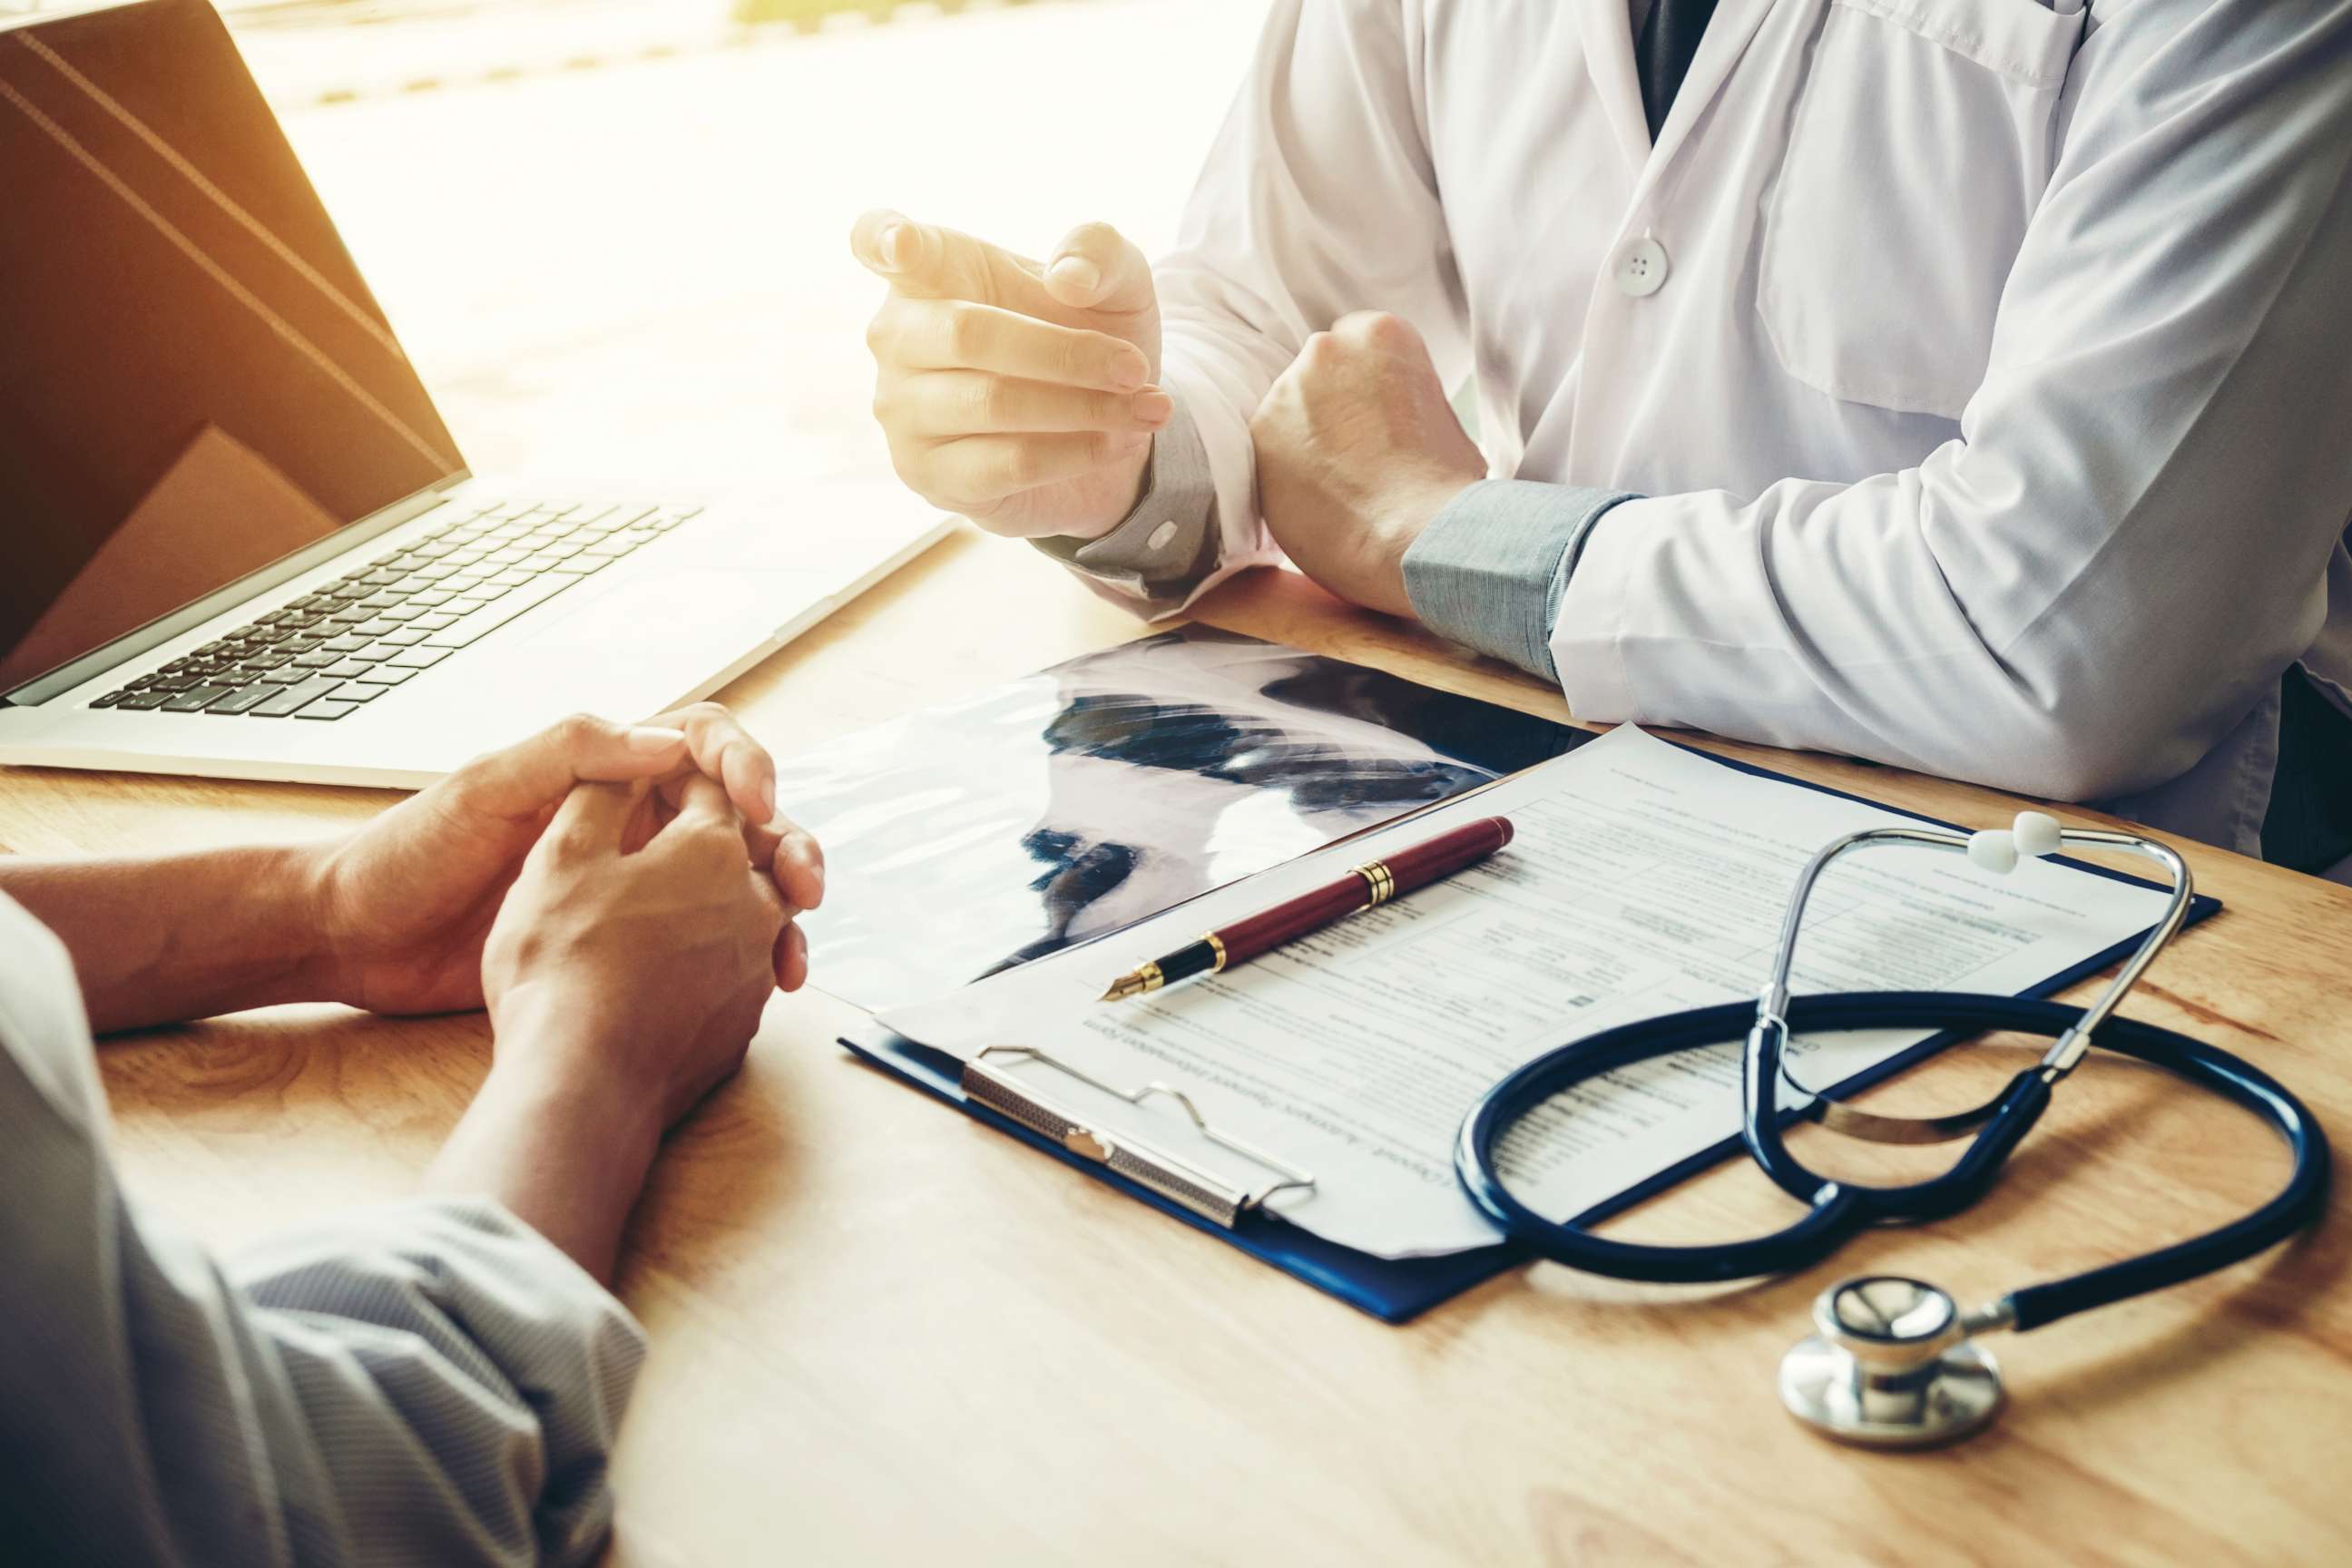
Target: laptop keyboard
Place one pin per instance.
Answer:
(357, 638)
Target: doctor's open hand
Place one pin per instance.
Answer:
(402, 908)
(1357, 449)
(1020, 394)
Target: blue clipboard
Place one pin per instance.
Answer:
(1398, 1290)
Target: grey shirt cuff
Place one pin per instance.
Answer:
(1168, 546)
(1489, 570)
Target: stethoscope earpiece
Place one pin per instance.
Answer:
(1890, 1365)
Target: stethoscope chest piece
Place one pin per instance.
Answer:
(1890, 1366)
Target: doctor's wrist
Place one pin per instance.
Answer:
(1404, 512)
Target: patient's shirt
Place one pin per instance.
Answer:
(430, 1382)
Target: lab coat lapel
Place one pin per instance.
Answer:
(1719, 48)
(1607, 26)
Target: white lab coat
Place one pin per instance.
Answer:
(1996, 408)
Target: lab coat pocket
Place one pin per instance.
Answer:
(1920, 142)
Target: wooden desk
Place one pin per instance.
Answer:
(882, 1333)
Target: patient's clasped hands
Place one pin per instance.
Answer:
(404, 905)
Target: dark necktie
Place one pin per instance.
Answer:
(1662, 54)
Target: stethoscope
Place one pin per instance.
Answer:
(1892, 1361)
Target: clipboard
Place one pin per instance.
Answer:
(1227, 1204)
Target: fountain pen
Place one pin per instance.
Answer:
(1364, 887)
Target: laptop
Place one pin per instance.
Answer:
(236, 537)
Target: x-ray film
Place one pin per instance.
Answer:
(971, 836)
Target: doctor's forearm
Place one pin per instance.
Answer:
(162, 938)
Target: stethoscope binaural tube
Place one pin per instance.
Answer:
(1837, 1211)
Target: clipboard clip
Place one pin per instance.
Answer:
(1178, 1180)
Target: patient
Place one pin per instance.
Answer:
(437, 1380)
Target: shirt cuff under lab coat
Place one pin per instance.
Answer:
(1167, 546)
(1489, 570)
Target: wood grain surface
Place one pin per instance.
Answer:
(882, 1333)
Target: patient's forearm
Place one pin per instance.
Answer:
(159, 939)
(566, 1154)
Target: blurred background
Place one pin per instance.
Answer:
(612, 233)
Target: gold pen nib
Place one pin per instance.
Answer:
(1125, 987)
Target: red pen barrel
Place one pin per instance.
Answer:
(1376, 882)
(1418, 865)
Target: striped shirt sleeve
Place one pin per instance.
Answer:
(429, 1381)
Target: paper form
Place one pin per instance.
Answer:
(1642, 880)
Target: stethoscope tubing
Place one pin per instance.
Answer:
(1840, 1209)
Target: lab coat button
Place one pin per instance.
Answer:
(1642, 269)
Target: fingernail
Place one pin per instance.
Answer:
(652, 737)
(890, 245)
(1154, 407)
(1129, 370)
(1076, 272)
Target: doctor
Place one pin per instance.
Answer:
(1965, 385)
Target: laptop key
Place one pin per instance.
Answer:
(403, 636)
(316, 658)
(327, 708)
(293, 699)
(358, 690)
(348, 670)
(416, 658)
(386, 675)
(195, 699)
(492, 617)
(242, 701)
(110, 698)
(145, 700)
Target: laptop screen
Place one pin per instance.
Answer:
(195, 380)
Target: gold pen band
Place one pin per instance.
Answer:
(1148, 973)
(1380, 879)
(1216, 945)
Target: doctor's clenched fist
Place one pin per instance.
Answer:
(1019, 394)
